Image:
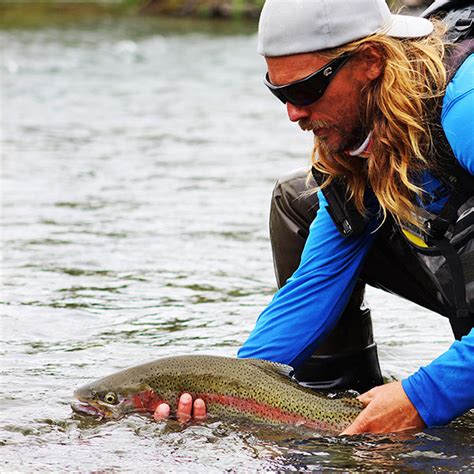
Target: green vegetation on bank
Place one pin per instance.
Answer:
(209, 8)
(31, 13)
(26, 14)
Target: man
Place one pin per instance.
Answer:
(368, 85)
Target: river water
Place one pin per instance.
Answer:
(139, 156)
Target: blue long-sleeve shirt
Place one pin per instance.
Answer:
(306, 309)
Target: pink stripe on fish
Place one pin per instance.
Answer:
(263, 411)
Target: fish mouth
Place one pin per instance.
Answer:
(97, 409)
(87, 402)
(85, 408)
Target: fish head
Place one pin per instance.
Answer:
(111, 397)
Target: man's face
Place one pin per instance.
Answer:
(335, 118)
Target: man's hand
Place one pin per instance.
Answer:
(387, 409)
(186, 409)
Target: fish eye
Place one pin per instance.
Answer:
(110, 398)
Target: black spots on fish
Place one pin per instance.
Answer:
(238, 381)
(353, 403)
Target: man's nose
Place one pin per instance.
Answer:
(296, 112)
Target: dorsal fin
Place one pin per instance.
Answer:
(273, 367)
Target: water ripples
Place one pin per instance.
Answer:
(139, 162)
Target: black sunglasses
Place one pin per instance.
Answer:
(311, 88)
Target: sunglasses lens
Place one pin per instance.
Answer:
(303, 94)
(279, 94)
(300, 95)
(311, 89)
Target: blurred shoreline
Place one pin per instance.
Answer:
(28, 13)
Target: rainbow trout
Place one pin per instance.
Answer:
(249, 388)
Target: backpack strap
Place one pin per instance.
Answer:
(447, 169)
(343, 212)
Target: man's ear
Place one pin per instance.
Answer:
(372, 57)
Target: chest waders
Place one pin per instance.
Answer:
(433, 270)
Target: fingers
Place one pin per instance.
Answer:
(387, 410)
(162, 412)
(199, 409)
(359, 425)
(356, 428)
(185, 407)
(367, 397)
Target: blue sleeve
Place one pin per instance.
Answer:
(444, 389)
(306, 309)
(457, 117)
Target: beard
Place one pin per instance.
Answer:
(338, 139)
(348, 133)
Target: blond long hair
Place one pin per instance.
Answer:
(400, 109)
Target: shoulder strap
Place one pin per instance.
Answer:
(343, 211)
(447, 168)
